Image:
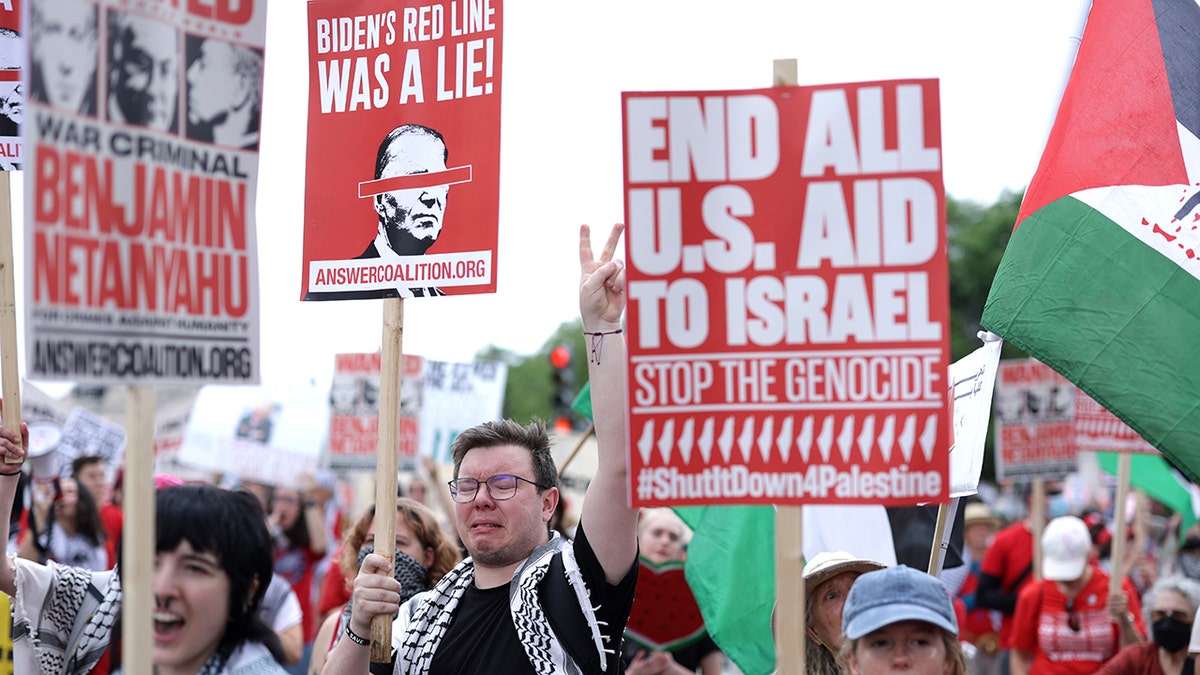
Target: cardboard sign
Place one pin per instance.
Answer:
(1034, 408)
(788, 302)
(1099, 430)
(12, 93)
(438, 400)
(354, 411)
(973, 379)
(255, 433)
(458, 396)
(141, 260)
(403, 173)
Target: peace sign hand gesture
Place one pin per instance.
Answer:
(601, 282)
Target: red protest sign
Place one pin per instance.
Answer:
(787, 295)
(403, 173)
(1099, 430)
(12, 94)
(1034, 434)
(354, 411)
(141, 255)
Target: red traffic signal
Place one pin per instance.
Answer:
(560, 357)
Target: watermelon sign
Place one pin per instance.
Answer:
(665, 615)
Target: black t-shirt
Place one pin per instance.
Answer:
(688, 656)
(481, 637)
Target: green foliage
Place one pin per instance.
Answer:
(529, 391)
(977, 236)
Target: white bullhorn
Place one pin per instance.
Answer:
(43, 450)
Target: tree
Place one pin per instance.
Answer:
(976, 237)
(529, 391)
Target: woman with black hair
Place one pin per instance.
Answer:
(65, 526)
(211, 568)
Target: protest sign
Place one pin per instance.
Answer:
(86, 434)
(438, 400)
(458, 396)
(266, 435)
(354, 411)
(140, 237)
(12, 94)
(1034, 437)
(787, 283)
(973, 380)
(1099, 430)
(403, 172)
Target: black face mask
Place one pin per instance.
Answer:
(1171, 634)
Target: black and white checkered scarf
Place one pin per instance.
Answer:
(421, 628)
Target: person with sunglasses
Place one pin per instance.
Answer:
(1068, 622)
(526, 600)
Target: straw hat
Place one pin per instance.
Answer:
(978, 512)
(825, 566)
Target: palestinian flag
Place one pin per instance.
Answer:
(1101, 279)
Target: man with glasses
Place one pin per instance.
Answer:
(526, 601)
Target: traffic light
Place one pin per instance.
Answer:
(563, 392)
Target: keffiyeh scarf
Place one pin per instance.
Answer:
(421, 628)
(412, 576)
(62, 617)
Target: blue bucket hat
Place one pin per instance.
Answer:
(900, 593)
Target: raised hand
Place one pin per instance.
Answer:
(601, 282)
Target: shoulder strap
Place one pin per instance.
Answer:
(565, 617)
(1189, 666)
(1016, 585)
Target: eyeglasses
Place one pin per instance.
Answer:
(1072, 616)
(499, 487)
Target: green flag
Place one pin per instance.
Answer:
(731, 569)
(1154, 476)
(1101, 279)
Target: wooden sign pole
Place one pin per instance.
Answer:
(10, 375)
(789, 522)
(941, 536)
(390, 374)
(137, 545)
(1124, 462)
(1037, 522)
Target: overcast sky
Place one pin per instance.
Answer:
(1000, 65)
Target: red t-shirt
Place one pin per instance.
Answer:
(1007, 558)
(1139, 659)
(113, 519)
(1041, 627)
(335, 588)
(976, 621)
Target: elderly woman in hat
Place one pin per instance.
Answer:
(900, 619)
(827, 580)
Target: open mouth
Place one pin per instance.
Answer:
(166, 625)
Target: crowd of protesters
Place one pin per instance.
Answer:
(489, 576)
